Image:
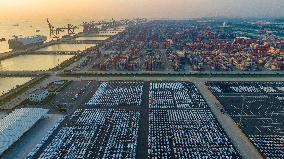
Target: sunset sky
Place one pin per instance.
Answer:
(76, 9)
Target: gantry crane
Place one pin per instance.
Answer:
(54, 32)
(99, 25)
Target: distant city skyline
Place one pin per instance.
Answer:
(104, 9)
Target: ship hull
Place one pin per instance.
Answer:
(19, 43)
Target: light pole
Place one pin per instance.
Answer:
(243, 102)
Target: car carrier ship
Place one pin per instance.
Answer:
(19, 42)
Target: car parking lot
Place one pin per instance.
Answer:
(187, 134)
(123, 119)
(93, 133)
(117, 94)
(175, 95)
(181, 125)
(258, 108)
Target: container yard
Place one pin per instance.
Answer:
(191, 46)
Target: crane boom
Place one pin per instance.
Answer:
(54, 32)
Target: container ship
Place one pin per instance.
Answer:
(24, 42)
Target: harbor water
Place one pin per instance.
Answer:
(28, 28)
(67, 47)
(32, 62)
(8, 83)
(99, 38)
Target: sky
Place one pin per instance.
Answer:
(172, 9)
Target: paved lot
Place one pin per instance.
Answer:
(84, 91)
(16, 101)
(241, 142)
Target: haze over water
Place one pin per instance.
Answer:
(32, 62)
(27, 28)
(9, 83)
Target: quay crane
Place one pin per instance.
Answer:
(90, 27)
(54, 32)
(99, 25)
